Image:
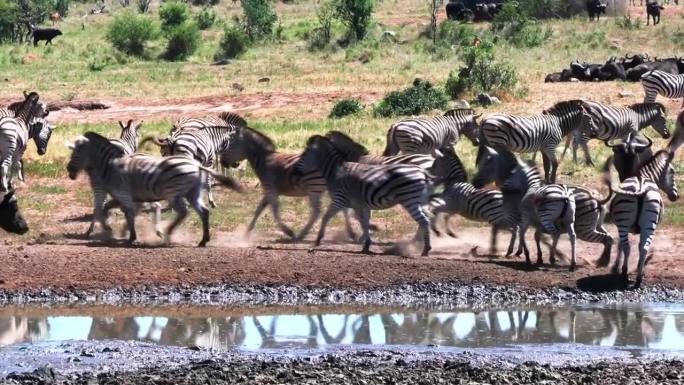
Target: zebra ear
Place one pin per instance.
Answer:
(121, 125)
(26, 94)
(69, 145)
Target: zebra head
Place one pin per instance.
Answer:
(653, 114)
(493, 166)
(320, 153)
(661, 164)
(130, 130)
(351, 149)
(11, 219)
(89, 151)
(246, 143)
(467, 119)
(449, 169)
(42, 132)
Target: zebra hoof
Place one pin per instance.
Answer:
(203, 243)
(373, 227)
(289, 233)
(573, 268)
(366, 251)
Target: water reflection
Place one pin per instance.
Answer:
(655, 327)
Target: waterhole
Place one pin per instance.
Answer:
(633, 328)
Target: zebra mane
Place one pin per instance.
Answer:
(102, 142)
(345, 144)
(563, 106)
(647, 106)
(233, 119)
(460, 112)
(262, 139)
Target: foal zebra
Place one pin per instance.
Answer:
(549, 208)
(428, 136)
(538, 132)
(15, 132)
(135, 179)
(278, 176)
(368, 187)
(483, 205)
(200, 142)
(659, 82)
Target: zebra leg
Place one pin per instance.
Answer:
(492, 244)
(607, 241)
(511, 243)
(181, 212)
(624, 247)
(436, 215)
(347, 223)
(644, 246)
(551, 155)
(537, 241)
(650, 96)
(547, 167)
(522, 245)
(260, 208)
(418, 214)
(129, 210)
(157, 219)
(450, 230)
(587, 156)
(195, 201)
(364, 218)
(568, 139)
(329, 214)
(314, 213)
(275, 206)
(99, 214)
(210, 195)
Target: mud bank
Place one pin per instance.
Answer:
(430, 294)
(358, 367)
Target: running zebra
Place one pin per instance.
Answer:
(538, 132)
(484, 205)
(277, 175)
(200, 143)
(549, 208)
(15, 131)
(659, 82)
(447, 169)
(636, 208)
(619, 122)
(368, 187)
(428, 136)
(135, 179)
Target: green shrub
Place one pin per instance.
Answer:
(62, 6)
(129, 33)
(172, 14)
(455, 33)
(628, 23)
(259, 18)
(481, 74)
(10, 28)
(419, 98)
(205, 19)
(356, 15)
(321, 36)
(514, 25)
(183, 42)
(544, 9)
(233, 44)
(346, 107)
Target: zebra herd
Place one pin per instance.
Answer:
(419, 170)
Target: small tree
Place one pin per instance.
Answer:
(259, 18)
(435, 6)
(183, 41)
(233, 44)
(172, 15)
(10, 28)
(205, 19)
(62, 7)
(129, 33)
(356, 14)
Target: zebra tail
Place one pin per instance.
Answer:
(154, 139)
(224, 180)
(607, 181)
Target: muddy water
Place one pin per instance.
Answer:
(632, 328)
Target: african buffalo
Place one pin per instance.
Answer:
(11, 219)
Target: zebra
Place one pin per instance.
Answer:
(660, 82)
(549, 208)
(15, 131)
(128, 144)
(637, 208)
(618, 122)
(277, 175)
(447, 169)
(199, 144)
(483, 205)
(427, 136)
(223, 119)
(538, 132)
(368, 187)
(141, 178)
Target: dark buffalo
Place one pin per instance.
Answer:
(11, 219)
(670, 65)
(653, 11)
(456, 10)
(46, 34)
(595, 8)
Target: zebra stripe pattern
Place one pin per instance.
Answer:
(636, 208)
(128, 140)
(482, 205)
(662, 83)
(538, 132)
(428, 136)
(368, 187)
(590, 215)
(618, 122)
(140, 178)
(659, 169)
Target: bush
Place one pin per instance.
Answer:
(419, 98)
(454, 33)
(62, 6)
(628, 23)
(544, 9)
(172, 15)
(346, 107)
(481, 73)
(259, 18)
(356, 15)
(205, 19)
(514, 25)
(233, 44)
(129, 33)
(320, 38)
(183, 42)
(10, 28)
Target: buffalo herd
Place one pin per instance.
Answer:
(628, 68)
